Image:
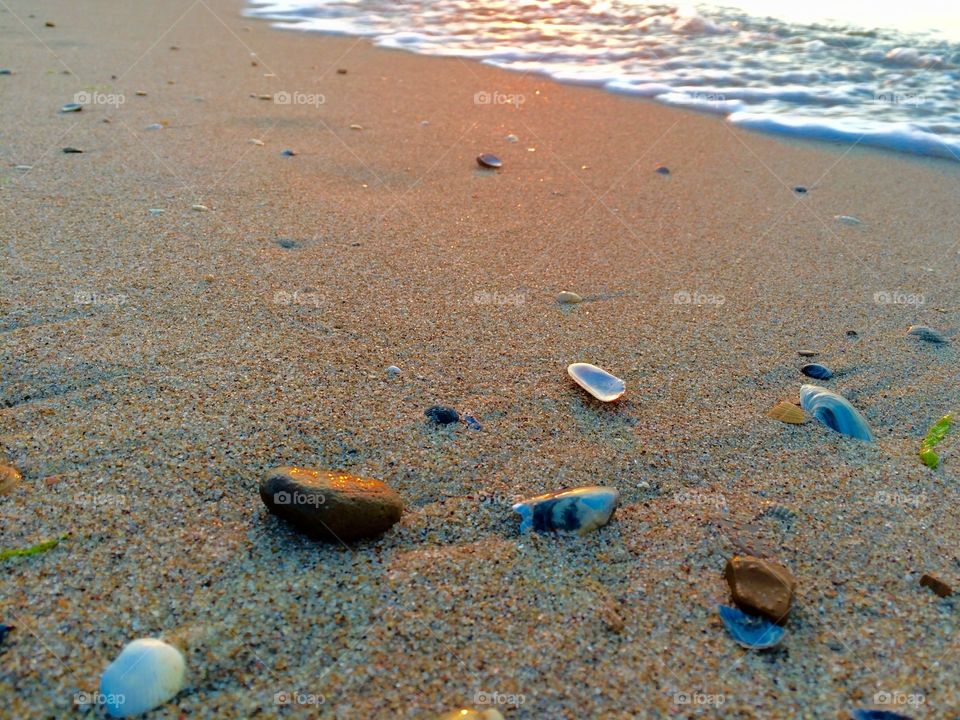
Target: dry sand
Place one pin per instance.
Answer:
(143, 417)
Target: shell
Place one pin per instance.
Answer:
(927, 333)
(147, 673)
(71, 107)
(834, 411)
(862, 714)
(568, 297)
(597, 381)
(789, 413)
(579, 510)
(817, 371)
(750, 631)
(489, 161)
(847, 219)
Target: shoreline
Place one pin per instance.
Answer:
(157, 364)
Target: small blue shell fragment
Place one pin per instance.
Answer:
(442, 415)
(4, 631)
(834, 411)
(288, 153)
(472, 422)
(815, 370)
(861, 714)
(750, 631)
(579, 510)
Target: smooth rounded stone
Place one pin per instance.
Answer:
(808, 353)
(937, 585)
(817, 371)
(10, 477)
(800, 190)
(597, 381)
(568, 298)
(579, 510)
(789, 413)
(471, 714)
(69, 150)
(330, 505)
(489, 161)
(442, 415)
(288, 153)
(662, 170)
(750, 631)
(71, 107)
(759, 586)
(393, 371)
(834, 411)
(928, 334)
(147, 673)
(199, 208)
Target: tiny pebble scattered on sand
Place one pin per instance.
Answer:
(808, 353)
(393, 371)
(70, 150)
(937, 585)
(800, 190)
(199, 208)
(847, 219)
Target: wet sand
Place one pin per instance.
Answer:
(155, 365)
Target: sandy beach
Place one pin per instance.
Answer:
(154, 364)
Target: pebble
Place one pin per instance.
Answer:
(750, 631)
(760, 586)
(72, 150)
(49, 24)
(928, 334)
(6, 71)
(938, 586)
(808, 353)
(847, 219)
(288, 153)
(834, 411)
(662, 170)
(578, 510)
(568, 298)
(800, 190)
(471, 714)
(356, 127)
(820, 372)
(341, 71)
(330, 505)
(597, 381)
(487, 160)
(71, 107)
(199, 208)
(10, 477)
(254, 141)
(288, 243)
(512, 138)
(4, 631)
(155, 126)
(156, 211)
(147, 673)
(852, 333)
(442, 415)
(140, 93)
(393, 371)
(788, 412)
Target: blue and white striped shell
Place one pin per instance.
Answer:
(579, 510)
(834, 411)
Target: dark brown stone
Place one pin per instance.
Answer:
(330, 505)
(762, 587)
(938, 586)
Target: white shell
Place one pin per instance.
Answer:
(147, 673)
(834, 411)
(597, 381)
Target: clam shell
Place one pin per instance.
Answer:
(147, 673)
(750, 631)
(788, 412)
(489, 161)
(927, 333)
(834, 411)
(579, 510)
(568, 297)
(817, 371)
(597, 381)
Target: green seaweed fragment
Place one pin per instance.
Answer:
(29, 551)
(934, 435)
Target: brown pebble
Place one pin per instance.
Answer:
(807, 353)
(10, 477)
(938, 586)
(761, 586)
(341, 71)
(49, 24)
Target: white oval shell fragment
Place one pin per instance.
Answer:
(579, 510)
(834, 411)
(567, 297)
(147, 673)
(597, 381)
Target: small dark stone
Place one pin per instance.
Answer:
(70, 150)
(341, 71)
(288, 243)
(48, 24)
(288, 153)
(852, 333)
(4, 631)
(6, 71)
(800, 190)
(489, 161)
(71, 107)
(937, 585)
(662, 169)
(442, 415)
(814, 370)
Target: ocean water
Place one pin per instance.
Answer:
(886, 75)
